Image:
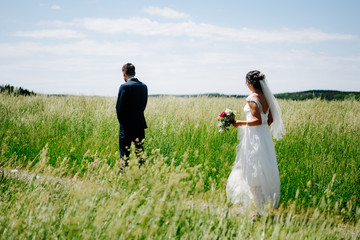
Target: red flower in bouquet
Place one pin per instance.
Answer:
(223, 114)
(226, 119)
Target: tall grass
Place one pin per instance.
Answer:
(71, 143)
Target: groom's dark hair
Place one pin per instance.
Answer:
(129, 69)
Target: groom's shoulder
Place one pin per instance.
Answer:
(131, 84)
(135, 82)
(125, 84)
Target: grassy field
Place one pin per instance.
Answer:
(60, 171)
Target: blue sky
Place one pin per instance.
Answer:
(179, 47)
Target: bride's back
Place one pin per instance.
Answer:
(264, 104)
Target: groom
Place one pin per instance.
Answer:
(130, 106)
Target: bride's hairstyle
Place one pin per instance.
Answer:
(254, 77)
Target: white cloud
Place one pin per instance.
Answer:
(56, 23)
(209, 53)
(79, 48)
(56, 7)
(147, 27)
(92, 63)
(49, 33)
(165, 12)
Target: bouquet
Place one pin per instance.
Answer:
(226, 119)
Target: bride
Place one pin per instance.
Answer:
(255, 176)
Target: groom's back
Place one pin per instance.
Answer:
(131, 104)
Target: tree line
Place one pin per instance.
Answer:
(329, 95)
(322, 94)
(304, 95)
(11, 90)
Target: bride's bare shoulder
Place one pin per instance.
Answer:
(261, 98)
(264, 102)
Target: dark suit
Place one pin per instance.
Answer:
(130, 107)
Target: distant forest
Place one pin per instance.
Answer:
(311, 94)
(322, 94)
(11, 90)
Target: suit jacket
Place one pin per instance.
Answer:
(131, 104)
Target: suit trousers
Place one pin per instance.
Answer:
(126, 138)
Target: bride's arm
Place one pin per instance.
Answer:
(255, 112)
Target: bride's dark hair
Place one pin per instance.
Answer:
(254, 77)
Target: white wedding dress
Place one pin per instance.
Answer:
(255, 175)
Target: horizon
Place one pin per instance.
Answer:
(185, 95)
(179, 48)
